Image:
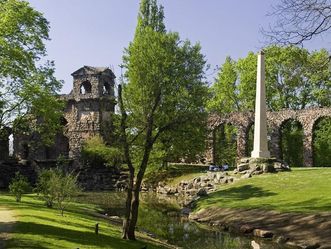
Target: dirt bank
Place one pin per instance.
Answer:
(301, 230)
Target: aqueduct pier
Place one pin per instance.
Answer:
(243, 121)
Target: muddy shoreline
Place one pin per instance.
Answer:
(297, 230)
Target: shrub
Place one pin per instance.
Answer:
(62, 187)
(43, 186)
(55, 186)
(18, 186)
(95, 153)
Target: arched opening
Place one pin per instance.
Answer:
(11, 145)
(106, 89)
(322, 142)
(225, 145)
(291, 142)
(85, 87)
(25, 150)
(250, 140)
(61, 144)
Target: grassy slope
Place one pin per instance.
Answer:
(302, 190)
(41, 227)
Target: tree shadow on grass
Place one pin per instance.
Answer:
(239, 194)
(85, 238)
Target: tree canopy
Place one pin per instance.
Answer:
(295, 78)
(164, 91)
(27, 84)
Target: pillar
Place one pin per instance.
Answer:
(260, 148)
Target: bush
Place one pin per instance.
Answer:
(95, 153)
(57, 187)
(43, 186)
(18, 186)
(62, 187)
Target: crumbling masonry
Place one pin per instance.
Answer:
(87, 113)
(244, 120)
(91, 102)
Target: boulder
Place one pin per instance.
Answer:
(267, 168)
(262, 233)
(242, 167)
(220, 175)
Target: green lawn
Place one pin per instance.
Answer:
(302, 190)
(41, 227)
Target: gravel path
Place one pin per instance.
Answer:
(7, 220)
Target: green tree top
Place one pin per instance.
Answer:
(27, 86)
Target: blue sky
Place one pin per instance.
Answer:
(95, 32)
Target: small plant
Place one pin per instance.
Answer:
(62, 187)
(43, 186)
(96, 153)
(18, 186)
(55, 186)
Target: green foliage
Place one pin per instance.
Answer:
(226, 145)
(43, 186)
(27, 85)
(223, 92)
(165, 82)
(95, 153)
(292, 143)
(62, 187)
(322, 143)
(57, 185)
(295, 78)
(18, 186)
(165, 92)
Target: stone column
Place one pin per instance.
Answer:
(260, 148)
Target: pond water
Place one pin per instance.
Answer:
(161, 217)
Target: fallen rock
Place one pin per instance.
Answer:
(242, 167)
(262, 233)
(255, 245)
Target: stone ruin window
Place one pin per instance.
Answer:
(85, 87)
(11, 145)
(106, 89)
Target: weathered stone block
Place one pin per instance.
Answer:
(262, 233)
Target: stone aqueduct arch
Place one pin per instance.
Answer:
(244, 120)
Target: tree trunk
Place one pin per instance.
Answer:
(126, 221)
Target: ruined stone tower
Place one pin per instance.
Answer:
(89, 106)
(87, 113)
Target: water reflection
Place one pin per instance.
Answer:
(161, 217)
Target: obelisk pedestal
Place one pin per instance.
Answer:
(260, 149)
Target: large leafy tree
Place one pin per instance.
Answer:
(26, 84)
(164, 92)
(295, 78)
(224, 97)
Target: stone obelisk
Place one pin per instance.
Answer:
(260, 148)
